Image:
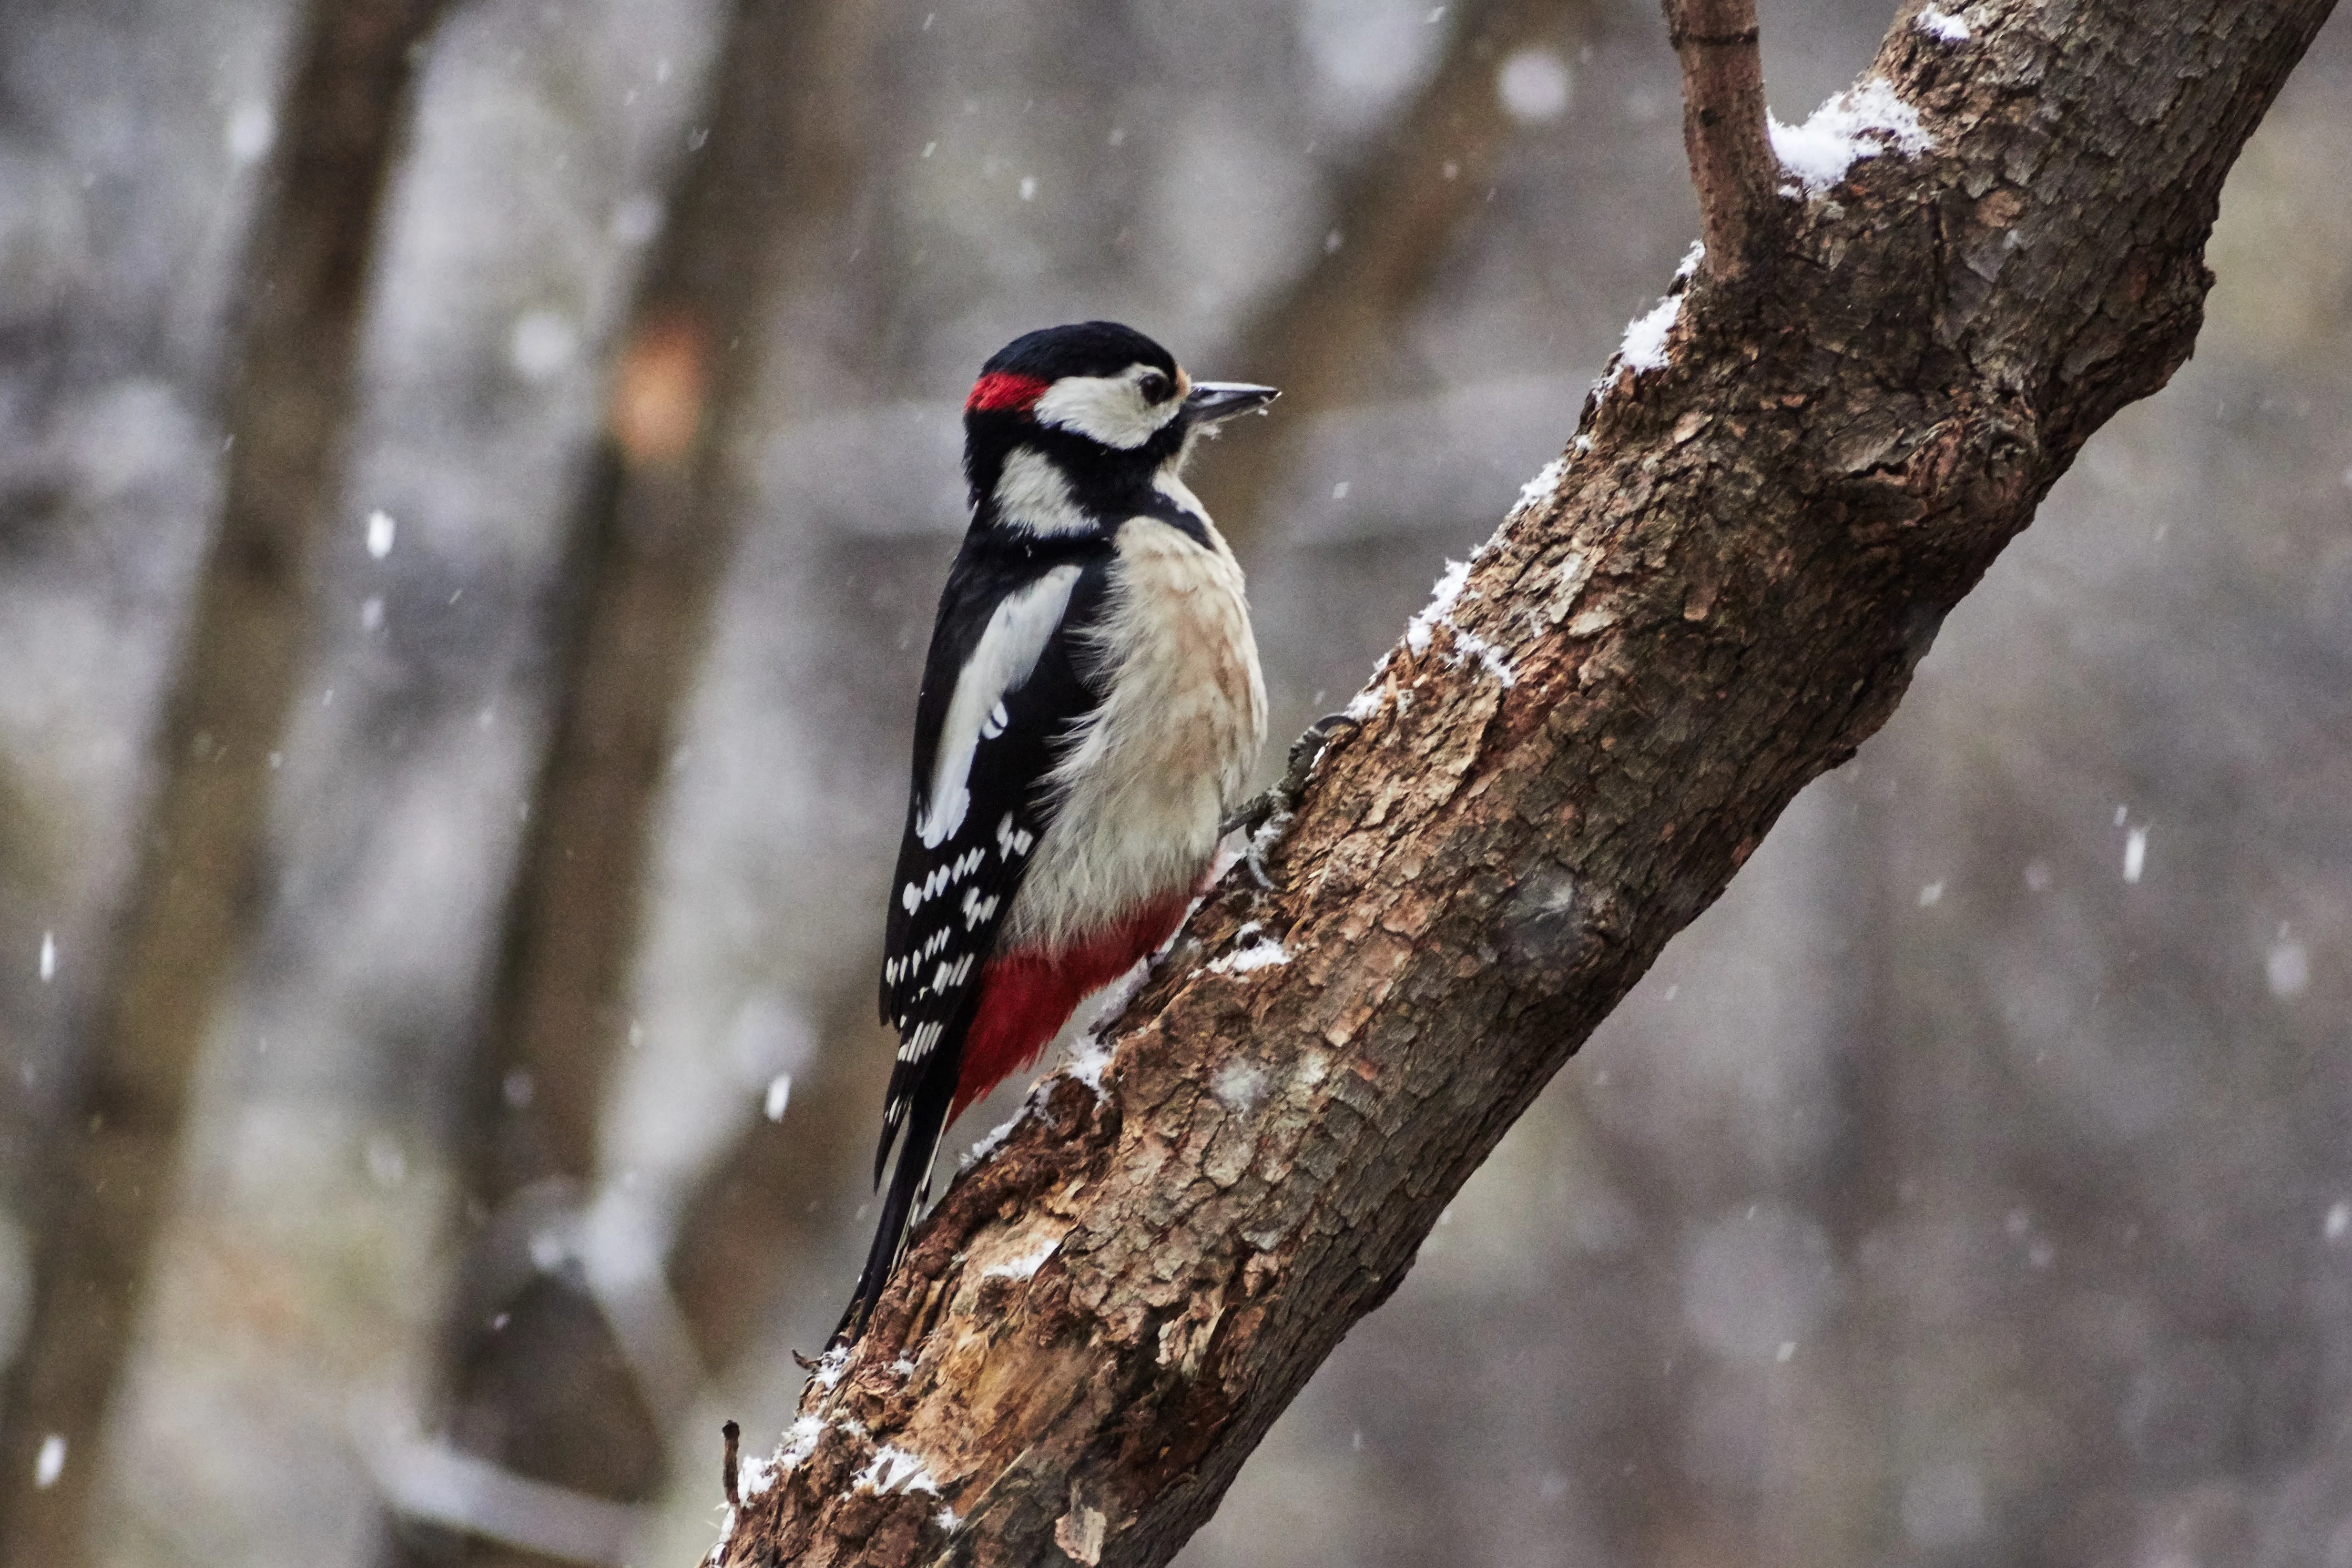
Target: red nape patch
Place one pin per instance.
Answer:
(999, 390)
(1026, 996)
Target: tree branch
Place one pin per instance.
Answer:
(1744, 553)
(1723, 131)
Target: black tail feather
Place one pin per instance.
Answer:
(910, 1185)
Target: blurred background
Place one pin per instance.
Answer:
(474, 479)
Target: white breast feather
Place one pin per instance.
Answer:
(1153, 770)
(1001, 662)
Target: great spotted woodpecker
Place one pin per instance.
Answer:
(1090, 708)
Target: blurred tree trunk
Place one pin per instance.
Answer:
(1749, 548)
(536, 1378)
(1325, 337)
(188, 911)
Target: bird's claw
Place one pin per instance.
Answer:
(1263, 838)
(1266, 816)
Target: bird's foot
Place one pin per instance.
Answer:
(1266, 816)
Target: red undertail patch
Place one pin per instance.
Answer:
(1028, 994)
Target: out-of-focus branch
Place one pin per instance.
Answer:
(1731, 159)
(189, 908)
(1721, 589)
(656, 526)
(1397, 211)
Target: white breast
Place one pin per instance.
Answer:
(1158, 765)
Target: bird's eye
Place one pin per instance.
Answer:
(1155, 387)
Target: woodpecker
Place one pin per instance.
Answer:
(1090, 710)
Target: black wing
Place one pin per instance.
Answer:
(962, 860)
(967, 844)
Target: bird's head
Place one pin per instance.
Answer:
(1067, 425)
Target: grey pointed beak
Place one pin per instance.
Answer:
(1214, 402)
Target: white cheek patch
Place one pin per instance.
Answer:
(1008, 651)
(1032, 494)
(1108, 408)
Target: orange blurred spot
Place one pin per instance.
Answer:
(658, 390)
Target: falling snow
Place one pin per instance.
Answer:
(2288, 967)
(251, 133)
(1534, 86)
(501, 297)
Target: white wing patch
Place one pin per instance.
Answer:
(1032, 494)
(1001, 662)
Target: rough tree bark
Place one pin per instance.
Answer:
(190, 904)
(1716, 596)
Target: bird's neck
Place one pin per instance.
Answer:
(1041, 490)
